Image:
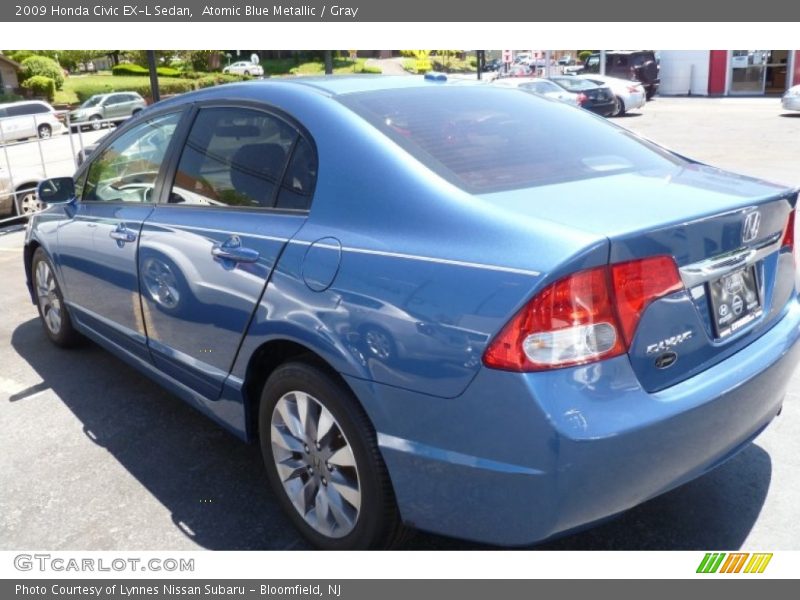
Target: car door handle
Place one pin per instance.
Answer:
(232, 249)
(122, 234)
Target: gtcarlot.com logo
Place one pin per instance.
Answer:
(734, 562)
(47, 562)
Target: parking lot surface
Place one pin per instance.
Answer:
(94, 456)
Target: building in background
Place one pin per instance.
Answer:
(728, 72)
(8, 75)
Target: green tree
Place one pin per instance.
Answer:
(44, 66)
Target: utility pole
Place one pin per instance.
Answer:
(328, 62)
(151, 61)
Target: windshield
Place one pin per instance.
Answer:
(93, 101)
(486, 139)
(574, 84)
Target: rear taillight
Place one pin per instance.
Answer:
(584, 317)
(637, 283)
(582, 98)
(788, 234)
(633, 89)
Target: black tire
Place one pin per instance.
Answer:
(26, 202)
(65, 335)
(619, 107)
(247, 73)
(45, 131)
(378, 523)
(94, 122)
(136, 112)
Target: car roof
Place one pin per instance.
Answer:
(330, 86)
(24, 103)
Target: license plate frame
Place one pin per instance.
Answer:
(735, 301)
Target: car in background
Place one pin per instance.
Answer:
(102, 109)
(634, 65)
(493, 65)
(629, 95)
(791, 99)
(244, 67)
(598, 99)
(517, 70)
(493, 317)
(28, 119)
(543, 87)
(18, 197)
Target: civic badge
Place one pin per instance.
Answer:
(750, 228)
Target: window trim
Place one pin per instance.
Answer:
(259, 106)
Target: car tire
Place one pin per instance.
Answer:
(619, 107)
(247, 73)
(94, 122)
(334, 487)
(26, 202)
(136, 111)
(45, 131)
(53, 311)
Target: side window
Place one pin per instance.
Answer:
(593, 64)
(233, 157)
(298, 183)
(40, 109)
(126, 170)
(19, 111)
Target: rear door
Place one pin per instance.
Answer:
(209, 247)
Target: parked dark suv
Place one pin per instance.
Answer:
(638, 65)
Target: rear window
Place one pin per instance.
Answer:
(487, 139)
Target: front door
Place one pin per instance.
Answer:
(98, 245)
(207, 252)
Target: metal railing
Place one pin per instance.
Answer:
(25, 162)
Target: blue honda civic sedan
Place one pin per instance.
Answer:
(464, 309)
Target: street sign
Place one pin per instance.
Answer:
(508, 56)
(353, 54)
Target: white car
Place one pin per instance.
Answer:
(32, 118)
(19, 198)
(630, 95)
(244, 67)
(791, 99)
(543, 87)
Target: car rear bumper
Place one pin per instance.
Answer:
(603, 109)
(518, 458)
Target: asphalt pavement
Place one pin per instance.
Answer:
(94, 456)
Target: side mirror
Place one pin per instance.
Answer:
(58, 190)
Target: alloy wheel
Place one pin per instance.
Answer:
(47, 294)
(315, 464)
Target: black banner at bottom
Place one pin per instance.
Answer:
(350, 589)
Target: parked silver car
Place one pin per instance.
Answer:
(629, 95)
(28, 119)
(18, 197)
(102, 108)
(791, 99)
(543, 87)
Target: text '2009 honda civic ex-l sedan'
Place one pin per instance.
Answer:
(463, 308)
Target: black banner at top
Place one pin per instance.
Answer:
(398, 11)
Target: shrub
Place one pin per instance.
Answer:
(583, 55)
(9, 97)
(41, 86)
(217, 79)
(46, 67)
(376, 70)
(192, 75)
(129, 69)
